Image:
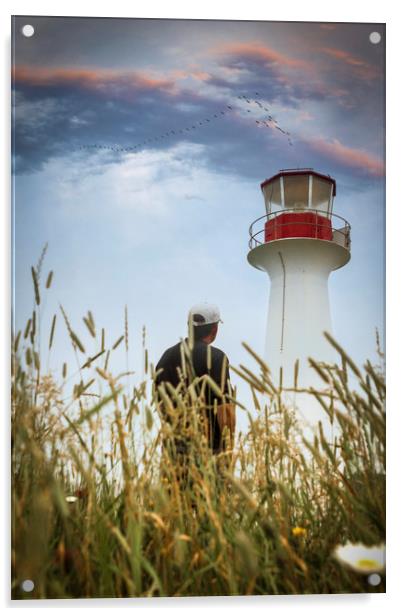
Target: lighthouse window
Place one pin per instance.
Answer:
(296, 191)
(272, 195)
(321, 195)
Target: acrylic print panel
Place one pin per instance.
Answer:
(139, 148)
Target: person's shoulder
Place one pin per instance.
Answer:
(218, 353)
(170, 352)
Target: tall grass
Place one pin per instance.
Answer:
(97, 512)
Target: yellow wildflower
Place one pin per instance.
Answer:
(298, 531)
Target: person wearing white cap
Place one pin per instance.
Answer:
(205, 314)
(203, 323)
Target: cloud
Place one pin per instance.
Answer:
(260, 54)
(360, 67)
(155, 119)
(150, 188)
(33, 114)
(232, 144)
(76, 121)
(280, 77)
(154, 112)
(352, 158)
(102, 81)
(254, 66)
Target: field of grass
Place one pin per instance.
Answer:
(95, 514)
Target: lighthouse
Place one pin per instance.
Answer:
(298, 242)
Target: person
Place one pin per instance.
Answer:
(186, 363)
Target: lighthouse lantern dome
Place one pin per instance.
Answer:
(299, 189)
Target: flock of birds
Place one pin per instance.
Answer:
(268, 122)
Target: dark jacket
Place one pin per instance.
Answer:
(170, 366)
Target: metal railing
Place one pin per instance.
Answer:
(339, 234)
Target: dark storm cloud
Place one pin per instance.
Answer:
(98, 106)
(331, 74)
(82, 107)
(258, 66)
(105, 108)
(88, 41)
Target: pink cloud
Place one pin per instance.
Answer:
(197, 74)
(303, 73)
(90, 79)
(200, 75)
(260, 53)
(350, 157)
(361, 68)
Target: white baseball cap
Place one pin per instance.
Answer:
(204, 314)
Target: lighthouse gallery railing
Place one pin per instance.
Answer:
(339, 227)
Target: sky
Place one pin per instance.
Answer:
(157, 218)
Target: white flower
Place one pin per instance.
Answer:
(361, 558)
(71, 499)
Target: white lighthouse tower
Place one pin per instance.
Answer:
(299, 242)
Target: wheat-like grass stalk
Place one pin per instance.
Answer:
(105, 505)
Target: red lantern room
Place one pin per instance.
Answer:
(299, 204)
